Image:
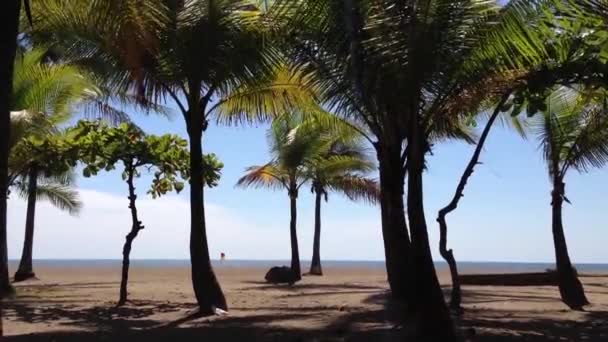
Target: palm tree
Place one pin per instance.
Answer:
(408, 71)
(561, 57)
(341, 167)
(58, 190)
(8, 41)
(573, 135)
(212, 59)
(45, 95)
(36, 180)
(291, 149)
(397, 67)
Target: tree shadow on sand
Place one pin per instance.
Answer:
(380, 320)
(532, 329)
(103, 318)
(249, 328)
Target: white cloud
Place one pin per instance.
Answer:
(98, 232)
(348, 234)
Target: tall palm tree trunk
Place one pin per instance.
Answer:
(394, 227)
(126, 249)
(448, 254)
(570, 287)
(435, 322)
(206, 287)
(315, 265)
(8, 47)
(293, 234)
(25, 270)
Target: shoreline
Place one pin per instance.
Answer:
(465, 267)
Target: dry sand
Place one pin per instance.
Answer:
(77, 304)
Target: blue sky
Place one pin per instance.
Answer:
(504, 216)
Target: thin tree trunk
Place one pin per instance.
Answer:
(8, 45)
(435, 322)
(293, 234)
(207, 289)
(315, 264)
(394, 227)
(25, 270)
(135, 228)
(448, 254)
(570, 287)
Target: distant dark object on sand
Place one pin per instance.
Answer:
(281, 275)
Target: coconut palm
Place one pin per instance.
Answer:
(291, 149)
(59, 191)
(35, 179)
(212, 59)
(409, 71)
(397, 68)
(8, 37)
(573, 135)
(341, 167)
(565, 58)
(317, 149)
(45, 96)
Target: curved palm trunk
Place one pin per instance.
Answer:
(126, 249)
(448, 254)
(435, 322)
(315, 265)
(293, 234)
(207, 289)
(394, 227)
(570, 287)
(25, 270)
(8, 44)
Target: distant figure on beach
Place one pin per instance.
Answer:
(222, 256)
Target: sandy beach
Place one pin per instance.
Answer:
(346, 304)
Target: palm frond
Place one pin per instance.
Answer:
(589, 148)
(60, 196)
(276, 94)
(265, 176)
(356, 188)
(52, 89)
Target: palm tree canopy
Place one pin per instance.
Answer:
(45, 96)
(194, 52)
(573, 131)
(307, 149)
(384, 63)
(290, 148)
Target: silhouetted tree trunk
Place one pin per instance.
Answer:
(315, 265)
(435, 322)
(570, 287)
(394, 227)
(25, 270)
(206, 287)
(293, 234)
(135, 228)
(8, 46)
(448, 254)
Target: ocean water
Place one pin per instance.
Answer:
(464, 266)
